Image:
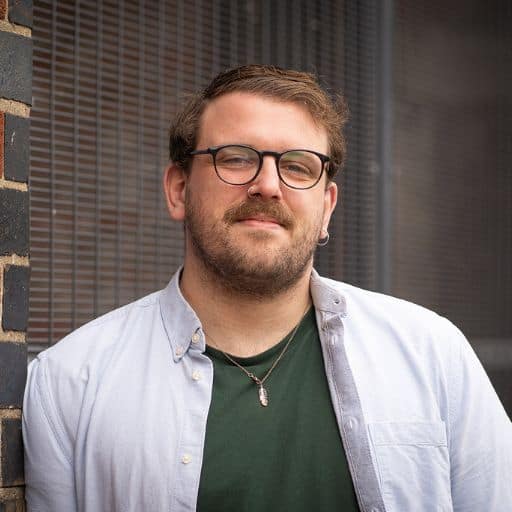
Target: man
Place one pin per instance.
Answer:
(250, 383)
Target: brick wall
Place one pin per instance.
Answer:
(15, 98)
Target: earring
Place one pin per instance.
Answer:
(323, 241)
(250, 192)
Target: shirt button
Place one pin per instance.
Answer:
(351, 423)
(336, 300)
(195, 337)
(186, 459)
(196, 375)
(179, 351)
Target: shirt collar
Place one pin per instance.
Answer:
(181, 323)
(326, 295)
(184, 329)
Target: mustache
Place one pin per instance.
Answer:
(249, 208)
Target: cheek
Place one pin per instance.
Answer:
(310, 209)
(213, 197)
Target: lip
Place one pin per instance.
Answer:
(260, 222)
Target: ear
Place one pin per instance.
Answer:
(175, 182)
(330, 200)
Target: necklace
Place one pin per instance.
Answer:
(262, 391)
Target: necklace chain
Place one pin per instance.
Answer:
(262, 391)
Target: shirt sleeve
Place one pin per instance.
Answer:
(49, 472)
(480, 437)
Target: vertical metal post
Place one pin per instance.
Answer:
(385, 145)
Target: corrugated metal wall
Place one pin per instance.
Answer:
(452, 235)
(109, 75)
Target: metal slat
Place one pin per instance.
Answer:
(115, 77)
(99, 141)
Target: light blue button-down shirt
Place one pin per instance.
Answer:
(115, 414)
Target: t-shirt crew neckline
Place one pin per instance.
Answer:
(267, 355)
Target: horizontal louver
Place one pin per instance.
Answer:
(108, 77)
(453, 170)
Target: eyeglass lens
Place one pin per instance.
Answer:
(239, 164)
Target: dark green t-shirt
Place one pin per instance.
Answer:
(287, 456)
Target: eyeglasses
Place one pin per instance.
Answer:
(238, 165)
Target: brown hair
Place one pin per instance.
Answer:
(282, 84)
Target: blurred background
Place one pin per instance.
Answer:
(426, 210)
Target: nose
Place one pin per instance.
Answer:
(267, 184)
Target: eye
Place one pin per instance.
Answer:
(295, 168)
(234, 160)
(299, 163)
(236, 157)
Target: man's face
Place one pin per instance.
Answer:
(258, 238)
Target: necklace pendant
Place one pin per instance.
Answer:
(263, 394)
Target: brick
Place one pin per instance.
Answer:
(11, 498)
(15, 298)
(14, 222)
(16, 148)
(12, 505)
(13, 374)
(3, 12)
(20, 12)
(8, 506)
(16, 66)
(11, 460)
(1, 143)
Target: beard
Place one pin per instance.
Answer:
(266, 269)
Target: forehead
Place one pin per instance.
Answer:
(260, 121)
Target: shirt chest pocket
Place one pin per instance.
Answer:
(413, 465)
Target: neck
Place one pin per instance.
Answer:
(240, 324)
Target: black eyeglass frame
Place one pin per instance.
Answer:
(277, 156)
